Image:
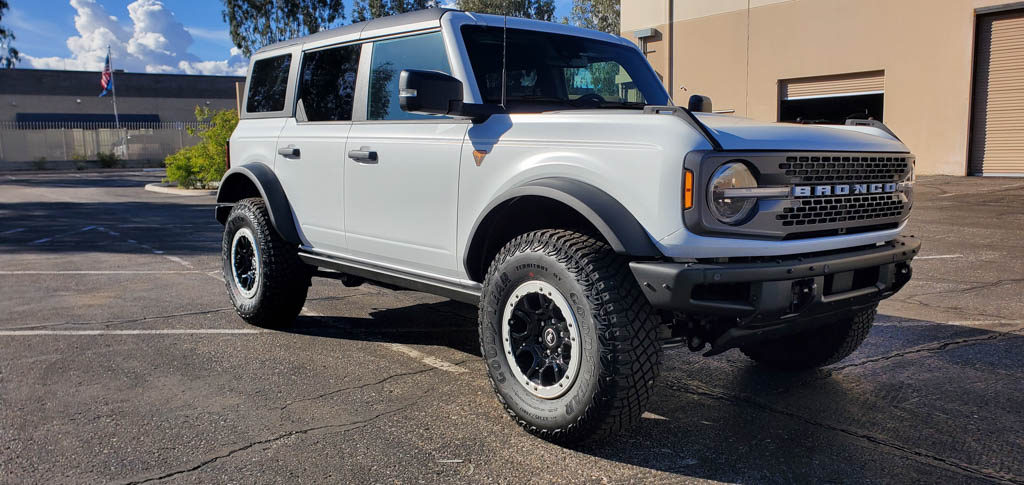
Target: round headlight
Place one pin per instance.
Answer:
(727, 207)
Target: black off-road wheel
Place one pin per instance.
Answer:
(818, 347)
(569, 339)
(265, 279)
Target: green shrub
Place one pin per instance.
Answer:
(203, 164)
(107, 159)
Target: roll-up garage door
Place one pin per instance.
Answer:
(840, 85)
(832, 99)
(997, 118)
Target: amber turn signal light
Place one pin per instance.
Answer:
(687, 189)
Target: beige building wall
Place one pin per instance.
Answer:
(738, 54)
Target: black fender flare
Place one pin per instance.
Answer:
(269, 187)
(614, 221)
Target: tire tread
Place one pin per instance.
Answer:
(626, 327)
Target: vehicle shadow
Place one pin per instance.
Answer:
(446, 324)
(730, 419)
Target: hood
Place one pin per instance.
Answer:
(735, 133)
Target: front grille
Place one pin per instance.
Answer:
(807, 212)
(851, 203)
(845, 168)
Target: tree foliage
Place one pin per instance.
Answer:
(530, 9)
(370, 9)
(202, 164)
(603, 15)
(256, 23)
(8, 54)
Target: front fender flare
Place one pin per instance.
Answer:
(269, 187)
(616, 224)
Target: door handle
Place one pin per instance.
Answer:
(363, 155)
(289, 151)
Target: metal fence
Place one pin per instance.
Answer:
(52, 141)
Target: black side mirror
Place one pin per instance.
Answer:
(430, 92)
(433, 92)
(699, 104)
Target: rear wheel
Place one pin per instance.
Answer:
(265, 279)
(818, 347)
(570, 341)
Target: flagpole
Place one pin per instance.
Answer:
(113, 91)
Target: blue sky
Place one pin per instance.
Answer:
(152, 39)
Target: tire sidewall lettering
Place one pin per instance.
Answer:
(515, 270)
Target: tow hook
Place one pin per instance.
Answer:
(803, 294)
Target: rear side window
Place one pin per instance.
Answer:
(268, 84)
(327, 83)
(390, 57)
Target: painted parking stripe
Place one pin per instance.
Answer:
(942, 256)
(310, 313)
(178, 260)
(170, 331)
(426, 359)
(45, 239)
(95, 272)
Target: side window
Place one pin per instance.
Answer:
(268, 83)
(327, 83)
(390, 57)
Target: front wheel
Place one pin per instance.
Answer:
(265, 279)
(817, 347)
(569, 339)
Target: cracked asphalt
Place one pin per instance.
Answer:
(122, 362)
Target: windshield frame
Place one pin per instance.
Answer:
(653, 92)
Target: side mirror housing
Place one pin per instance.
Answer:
(699, 104)
(429, 92)
(437, 93)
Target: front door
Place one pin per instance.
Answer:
(310, 160)
(402, 169)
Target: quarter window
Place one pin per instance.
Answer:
(327, 83)
(390, 57)
(268, 83)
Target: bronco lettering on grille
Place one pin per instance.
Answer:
(856, 189)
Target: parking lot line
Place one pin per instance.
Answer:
(942, 256)
(169, 331)
(45, 239)
(96, 272)
(426, 359)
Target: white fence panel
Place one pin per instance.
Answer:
(28, 142)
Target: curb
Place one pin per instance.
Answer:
(15, 173)
(165, 188)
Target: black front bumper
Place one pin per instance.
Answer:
(783, 296)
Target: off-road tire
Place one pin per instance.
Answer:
(283, 278)
(818, 347)
(620, 352)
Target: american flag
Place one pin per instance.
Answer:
(107, 80)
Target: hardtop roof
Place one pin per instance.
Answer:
(408, 18)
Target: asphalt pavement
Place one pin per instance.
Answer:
(121, 361)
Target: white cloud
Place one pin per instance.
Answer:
(156, 42)
(217, 36)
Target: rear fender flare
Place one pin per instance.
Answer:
(236, 182)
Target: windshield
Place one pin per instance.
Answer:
(553, 71)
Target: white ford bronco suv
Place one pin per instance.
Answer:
(540, 172)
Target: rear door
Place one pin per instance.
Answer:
(402, 169)
(310, 158)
